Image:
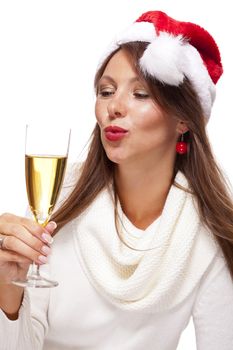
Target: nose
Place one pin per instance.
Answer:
(117, 107)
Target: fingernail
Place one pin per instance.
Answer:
(51, 225)
(43, 259)
(46, 250)
(47, 238)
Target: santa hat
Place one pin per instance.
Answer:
(176, 50)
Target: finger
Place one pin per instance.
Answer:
(29, 224)
(22, 234)
(23, 242)
(19, 247)
(32, 226)
(9, 256)
(50, 227)
(21, 228)
(44, 234)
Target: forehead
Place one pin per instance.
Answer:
(122, 68)
(121, 63)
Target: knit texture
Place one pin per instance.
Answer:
(155, 280)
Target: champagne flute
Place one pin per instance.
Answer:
(46, 152)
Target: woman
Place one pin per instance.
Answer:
(144, 229)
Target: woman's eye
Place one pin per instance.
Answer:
(141, 95)
(105, 93)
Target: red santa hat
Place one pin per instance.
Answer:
(176, 50)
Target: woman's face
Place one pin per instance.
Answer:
(133, 126)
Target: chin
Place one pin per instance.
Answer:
(116, 158)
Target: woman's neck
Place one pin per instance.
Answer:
(142, 192)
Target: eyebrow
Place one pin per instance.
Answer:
(108, 77)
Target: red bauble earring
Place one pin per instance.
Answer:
(181, 146)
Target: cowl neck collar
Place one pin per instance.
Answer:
(172, 256)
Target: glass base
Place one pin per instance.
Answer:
(35, 281)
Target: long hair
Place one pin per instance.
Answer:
(205, 177)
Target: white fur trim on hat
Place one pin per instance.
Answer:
(138, 31)
(143, 31)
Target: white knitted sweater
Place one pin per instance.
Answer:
(154, 280)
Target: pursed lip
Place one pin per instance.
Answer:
(115, 129)
(115, 133)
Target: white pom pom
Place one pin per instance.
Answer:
(163, 59)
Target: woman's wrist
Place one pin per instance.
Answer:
(11, 298)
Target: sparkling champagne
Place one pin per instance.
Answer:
(44, 177)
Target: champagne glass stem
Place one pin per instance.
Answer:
(35, 273)
(35, 269)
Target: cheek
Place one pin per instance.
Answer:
(149, 119)
(154, 126)
(98, 113)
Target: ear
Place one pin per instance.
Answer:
(182, 127)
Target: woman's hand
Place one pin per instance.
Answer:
(24, 241)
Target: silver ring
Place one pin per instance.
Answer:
(2, 242)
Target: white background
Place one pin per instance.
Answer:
(49, 51)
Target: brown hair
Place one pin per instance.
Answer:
(209, 187)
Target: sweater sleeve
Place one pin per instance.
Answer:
(29, 330)
(213, 309)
